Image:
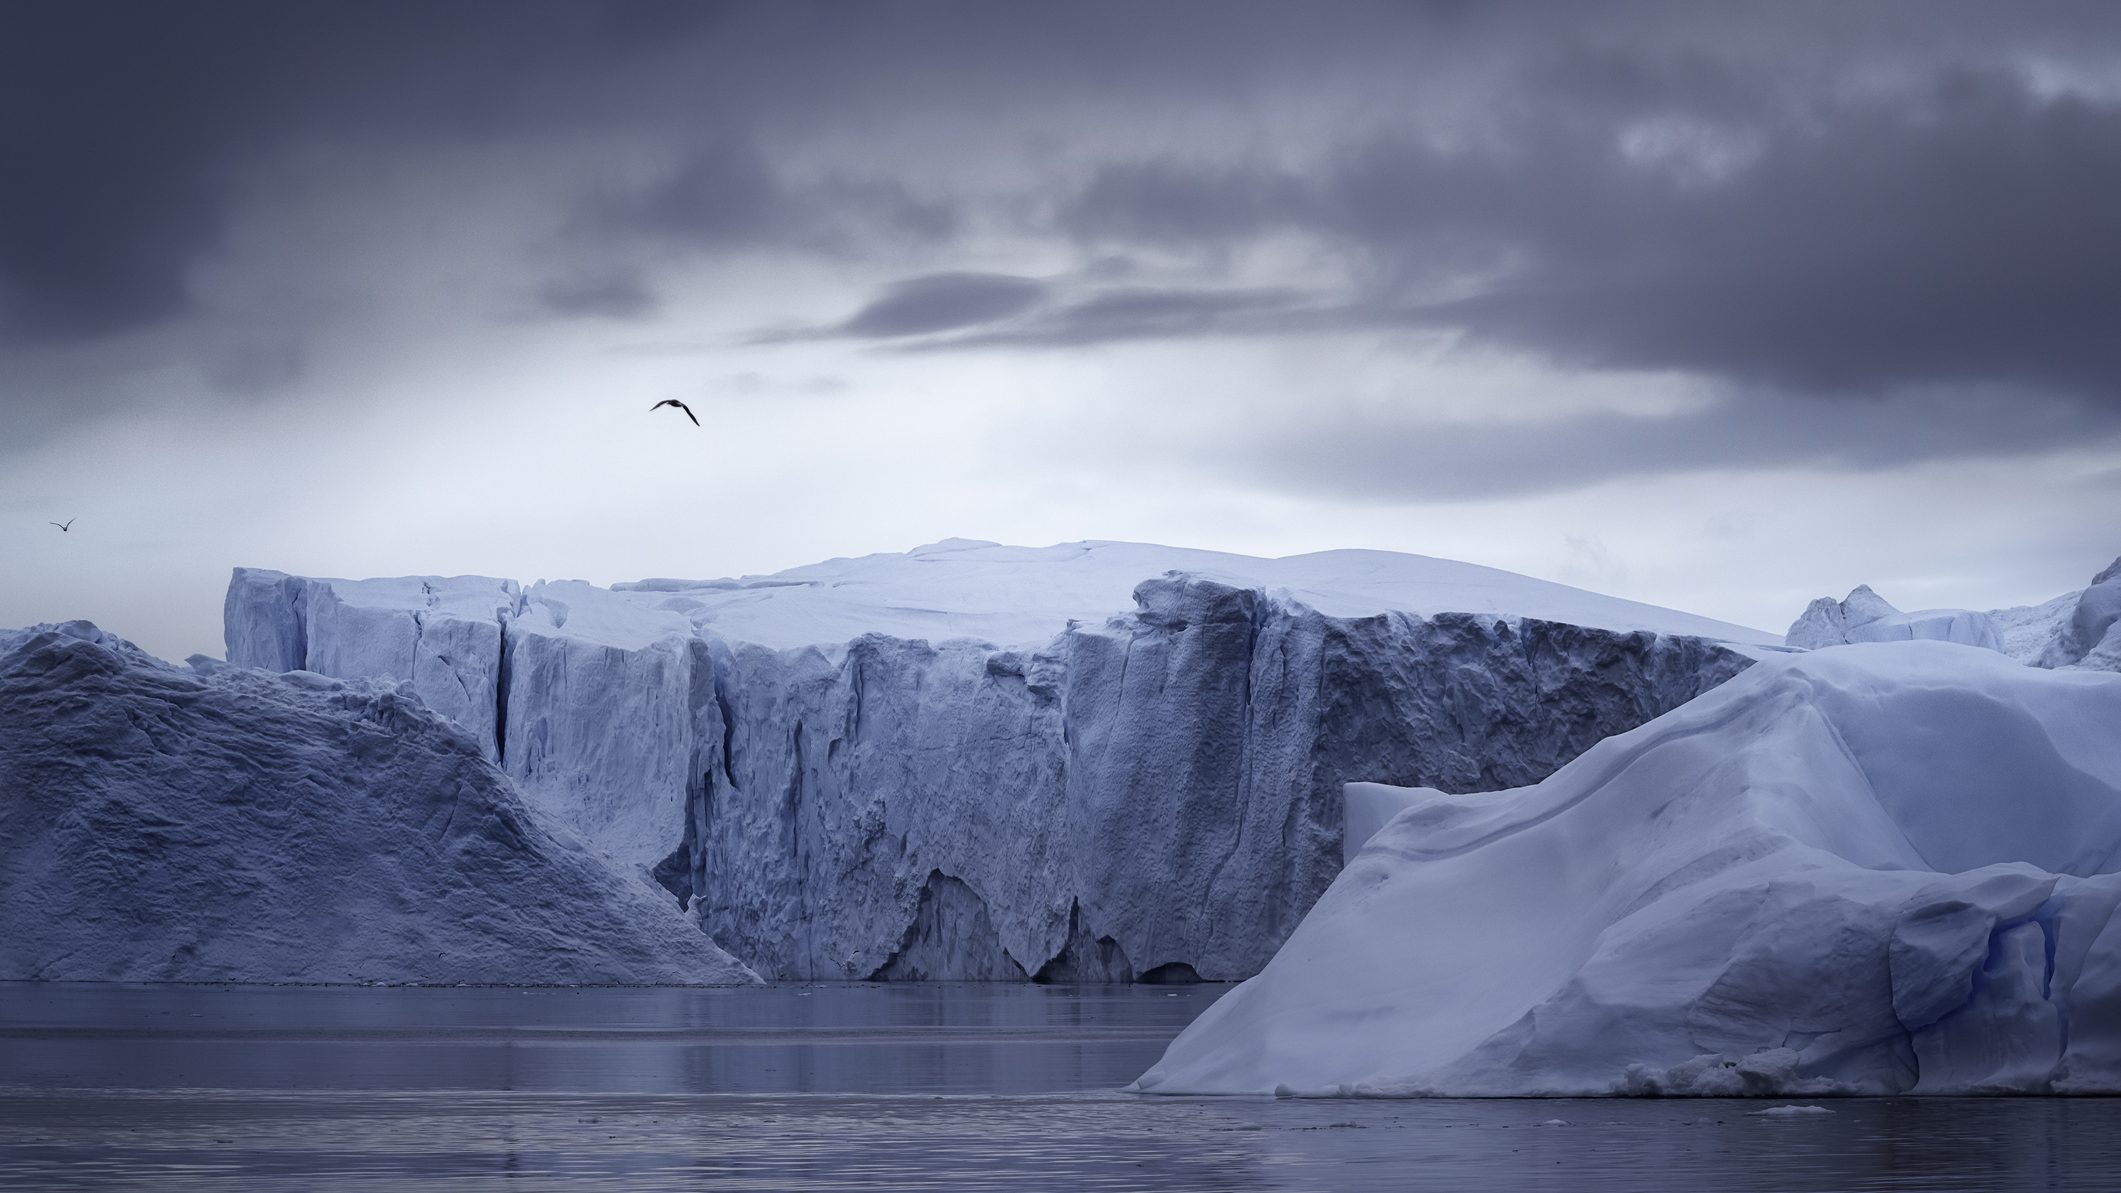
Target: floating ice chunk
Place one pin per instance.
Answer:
(1885, 868)
(221, 823)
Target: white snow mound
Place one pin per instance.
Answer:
(1888, 868)
(159, 823)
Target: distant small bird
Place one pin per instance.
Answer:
(680, 405)
(66, 525)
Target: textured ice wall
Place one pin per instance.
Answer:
(1151, 796)
(159, 823)
(1158, 795)
(441, 634)
(2091, 637)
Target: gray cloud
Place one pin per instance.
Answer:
(1947, 231)
(257, 368)
(604, 294)
(1151, 313)
(1834, 202)
(722, 194)
(942, 302)
(953, 311)
(1375, 457)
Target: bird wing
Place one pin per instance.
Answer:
(680, 405)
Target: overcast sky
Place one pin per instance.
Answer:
(1713, 306)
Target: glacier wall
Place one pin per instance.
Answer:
(1153, 795)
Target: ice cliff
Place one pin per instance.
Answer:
(160, 823)
(1099, 760)
(1888, 868)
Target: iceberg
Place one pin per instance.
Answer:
(1864, 616)
(2076, 629)
(1095, 761)
(216, 823)
(2091, 634)
(1887, 868)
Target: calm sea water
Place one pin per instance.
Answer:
(863, 1087)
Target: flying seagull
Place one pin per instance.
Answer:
(680, 405)
(66, 525)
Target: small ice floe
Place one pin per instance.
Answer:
(1554, 1122)
(1789, 1111)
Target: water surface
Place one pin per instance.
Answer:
(863, 1087)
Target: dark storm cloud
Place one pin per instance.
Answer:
(729, 196)
(1830, 201)
(950, 311)
(721, 194)
(1956, 229)
(942, 302)
(604, 294)
(1392, 459)
(1148, 313)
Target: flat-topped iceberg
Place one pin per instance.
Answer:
(1096, 760)
(1887, 868)
(214, 823)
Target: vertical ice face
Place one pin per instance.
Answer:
(981, 762)
(602, 718)
(2092, 635)
(440, 634)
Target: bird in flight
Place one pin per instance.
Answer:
(680, 405)
(66, 525)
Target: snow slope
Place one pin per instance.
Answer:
(1887, 868)
(159, 823)
(1097, 760)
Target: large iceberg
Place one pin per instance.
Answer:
(215, 823)
(972, 761)
(1887, 868)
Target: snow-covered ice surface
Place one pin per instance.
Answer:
(1885, 868)
(215, 823)
(1022, 596)
(1095, 760)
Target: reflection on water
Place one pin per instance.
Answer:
(861, 1087)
